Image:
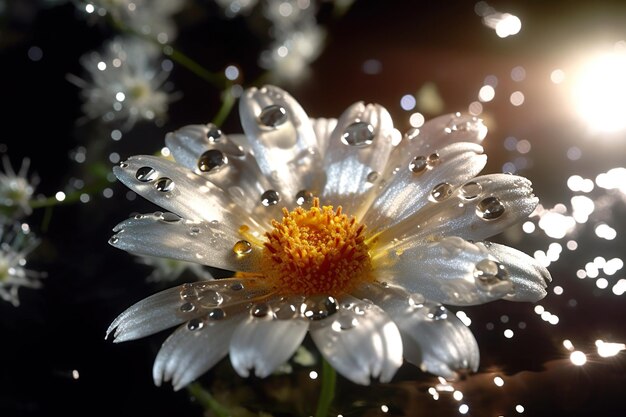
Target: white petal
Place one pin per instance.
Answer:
(442, 131)
(508, 198)
(286, 153)
(450, 271)
(323, 129)
(351, 165)
(179, 190)
(187, 354)
(434, 338)
(529, 278)
(166, 235)
(176, 305)
(359, 341)
(265, 343)
(238, 175)
(407, 192)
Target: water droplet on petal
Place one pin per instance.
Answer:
(237, 286)
(437, 312)
(260, 310)
(471, 190)
(441, 191)
(123, 165)
(317, 307)
(188, 292)
(285, 311)
(304, 197)
(214, 134)
(212, 160)
(488, 272)
(209, 297)
(273, 116)
(345, 322)
(216, 314)
(372, 176)
(194, 231)
(358, 134)
(146, 174)
(114, 240)
(418, 164)
(168, 217)
(164, 184)
(242, 247)
(490, 208)
(433, 159)
(187, 307)
(270, 198)
(195, 324)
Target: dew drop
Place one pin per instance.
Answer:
(195, 324)
(273, 116)
(187, 307)
(270, 198)
(304, 197)
(123, 165)
(114, 240)
(418, 164)
(242, 247)
(343, 323)
(168, 217)
(214, 134)
(372, 176)
(194, 231)
(358, 134)
(490, 208)
(209, 297)
(212, 160)
(471, 190)
(237, 286)
(441, 191)
(433, 159)
(188, 292)
(216, 314)
(260, 310)
(146, 174)
(488, 272)
(285, 311)
(164, 184)
(317, 307)
(138, 216)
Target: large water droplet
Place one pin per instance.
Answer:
(358, 134)
(210, 298)
(270, 198)
(418, 164)
(187, 307)
(490, 208)
(242, 247)
(488, 272)
(195, 324)
(304, 197)
(441, 191)
(216, 314)
(164, 184)
(260, 310)
(471, 190)
(211, 160)
(214, 134)
(317, 307)
(146, 174)
(273, 116)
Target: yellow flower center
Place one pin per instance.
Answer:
(316, 251)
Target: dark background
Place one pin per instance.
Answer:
(60, 328)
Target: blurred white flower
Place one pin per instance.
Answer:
(339, 228)
(147, 17)
(16, 243)
(125, 83)
(16, 190)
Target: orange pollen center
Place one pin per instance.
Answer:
(316, 251)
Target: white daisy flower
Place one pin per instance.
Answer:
(339, 228)
(15, 245)
(16, 189)
(125, 83)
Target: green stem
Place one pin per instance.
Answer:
(228, 101)
(207, 401)
(327, 393)
(177, 56)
